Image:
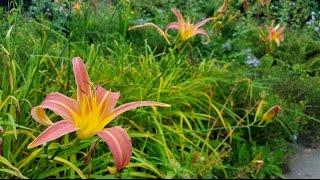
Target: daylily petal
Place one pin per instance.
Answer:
(119, 143)
(203, 32)
(173, 25)
(106, 100)
(82, 78)
(53, 132)
(58, 103)
(277, 42)
(272, 23)
(281, 37)
(126, 107)
(202, 22)
(281, 32)
(133, 105)
(39, 115)
(178, 15)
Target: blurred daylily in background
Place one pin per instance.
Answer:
(271, 113)
(187, 29)
(88, 115)
(265, 2)
(276, 33)
(76, 6)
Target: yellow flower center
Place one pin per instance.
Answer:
(77, 6)
(90, 118)
(186, 31)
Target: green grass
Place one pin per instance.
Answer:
(211, 130)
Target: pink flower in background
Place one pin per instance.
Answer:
(187, 29)
(276, 33)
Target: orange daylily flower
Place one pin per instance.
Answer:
(276, 33)
(76, 6)
(187, 29)
(88, 115)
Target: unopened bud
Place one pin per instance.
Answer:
(271, 113)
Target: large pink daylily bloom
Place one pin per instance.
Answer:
(187, 29)
(87, 115)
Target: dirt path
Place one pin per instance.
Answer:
(305, 164)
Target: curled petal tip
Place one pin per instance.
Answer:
(29, 146)
(166, 105)
(76, 59)
(39, 115)
(58, 103)
(119, 143)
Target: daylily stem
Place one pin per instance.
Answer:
(91, 151)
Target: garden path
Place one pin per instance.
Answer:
(305, 164)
